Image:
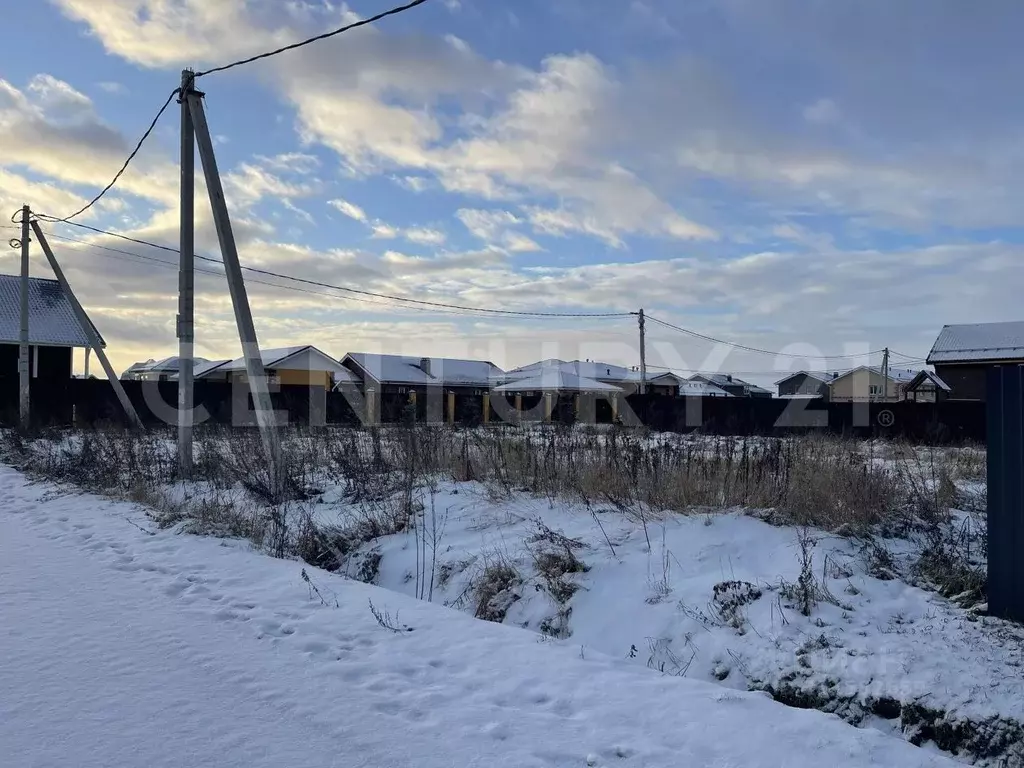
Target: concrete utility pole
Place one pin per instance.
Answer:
(643, 352)
(186, 281)
(24, 406)
(83, 320)
(885, 374)
(236, 284)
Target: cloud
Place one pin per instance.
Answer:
(497, 229)
(822, 112)
(52, 130)
(351, 210)
(424, 236)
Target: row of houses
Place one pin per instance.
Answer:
(961, 357)
(402, 374)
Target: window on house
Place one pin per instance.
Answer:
(875, 389)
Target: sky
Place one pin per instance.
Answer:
(818, 177)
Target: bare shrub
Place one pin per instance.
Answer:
(495, 590)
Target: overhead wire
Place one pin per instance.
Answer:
(314, 39)
(705, 337)
(121, 255)
(121, 170)
(363, 292)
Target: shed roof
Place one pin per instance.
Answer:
(405, 369)
(51, 317)
(978, 342)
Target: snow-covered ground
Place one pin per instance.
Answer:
(123, 645)
(719, 597)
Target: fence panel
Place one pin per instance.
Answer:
(1006, 492)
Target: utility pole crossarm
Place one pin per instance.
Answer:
(90, 332)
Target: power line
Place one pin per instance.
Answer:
(120, 254)
(477, 311)
(124, 167)
(317, 38)
(695, 334)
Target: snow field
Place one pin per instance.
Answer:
(126, 646)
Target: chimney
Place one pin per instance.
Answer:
(728, 377)
(425, 365)
(835, 374)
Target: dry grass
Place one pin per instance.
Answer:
(824, 482)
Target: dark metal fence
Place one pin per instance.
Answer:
(1006, 492)
(92, 402)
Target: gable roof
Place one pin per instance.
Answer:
(823, 377)
(166, 365)
(930, 376)
(405, 369)
(692, 388)
(977, 342)
(898, 375)
(51, 317)
(726, 380)
(556, 380)
(281, 357)
(591, 369)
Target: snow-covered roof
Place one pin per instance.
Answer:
(895, 374)
(931, 376)
(306, 358)
(51, 317)
(692, 388)
(556, 380)
(823, 377)
(166, 365)
(977, 342)
(590, 369)
(405, 369)
(727, 379)
(200, 369)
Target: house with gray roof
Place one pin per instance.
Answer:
(53, 329)
(806, 385)
(165, 369)
(304, 366)
(626, 380)
(404, 374)
(963, 354)
(870, 383)
(734, 385)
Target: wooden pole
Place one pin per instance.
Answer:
(236, 285)
(24, 402)
(186, 281)
(90, 331)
